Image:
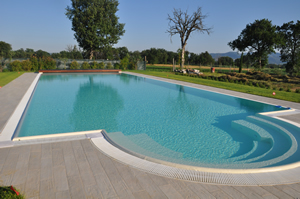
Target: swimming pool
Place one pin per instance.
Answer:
(160, 120)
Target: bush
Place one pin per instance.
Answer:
(117, 66)
(109, 66)
(26, 65)
(257, 85)
(124, 63)
(49, 63)
(5, 70)
(94, 65)
(100, 65)
(74, 65)
(297, 91)
(15, 66)
(281, 89)
(7, 192)
(85, 65)
(34, 63)
(288, 90)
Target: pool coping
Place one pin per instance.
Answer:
(115, 153)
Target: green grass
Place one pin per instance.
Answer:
(283, 95)
(7, 193)
(7, 77)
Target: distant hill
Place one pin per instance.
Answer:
(273, 58)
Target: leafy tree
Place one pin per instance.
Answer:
(290, 48)
(95, 23)
(41, 53)
(183, 24)
(206, 59)
(29, 52)
(225, 60)
(259, 39)
(19, 53)
(123, 52)
(5, 50)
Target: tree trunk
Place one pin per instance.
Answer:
(182, 56)
(241, 64)
(91, 54)
(259, 63)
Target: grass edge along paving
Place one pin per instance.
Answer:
(6, 77)
(282, 95)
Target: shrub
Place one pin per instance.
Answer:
(74, 65)
(26, 65)
(274, 88)
(85, 65)
(49, 63)
(94, 65)
(101, 65)
(15, 66)
(7, 192)
(297, 91)
(124, 63)
(34, 63)
(109, 66)
(288, 90)
(5, 70)
(117, 66)
(281, 89)
(41, 64)
(257, 85)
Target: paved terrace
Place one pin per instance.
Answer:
(77, 169)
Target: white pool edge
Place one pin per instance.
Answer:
(11, 125)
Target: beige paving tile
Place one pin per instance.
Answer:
(231, 191)
(277, 192)
(170, 192)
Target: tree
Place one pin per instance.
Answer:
(5, 50)
(290, 48)
(259, 39)
(95, 23)
(183, 24)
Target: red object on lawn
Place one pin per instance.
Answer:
(12, 188)
(274, 93)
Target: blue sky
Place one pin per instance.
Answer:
(42, 24)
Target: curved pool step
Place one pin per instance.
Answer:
(263, 141)
(284, 144)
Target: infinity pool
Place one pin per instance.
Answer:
(160, 120)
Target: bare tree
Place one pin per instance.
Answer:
(183, 24)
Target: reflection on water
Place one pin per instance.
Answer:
(93, 106)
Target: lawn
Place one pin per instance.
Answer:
(7, 77)
(283, 95)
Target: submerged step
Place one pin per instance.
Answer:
(252, 130)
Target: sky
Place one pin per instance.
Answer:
(42, 24)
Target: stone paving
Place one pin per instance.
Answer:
(77, 169)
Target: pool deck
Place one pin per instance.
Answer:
(77, 169)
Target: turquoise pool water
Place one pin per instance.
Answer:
(162, 120)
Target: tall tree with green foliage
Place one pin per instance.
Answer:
(184, 24)
(95, 23)
(290, 48)
(259, 39)
(5, 50)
